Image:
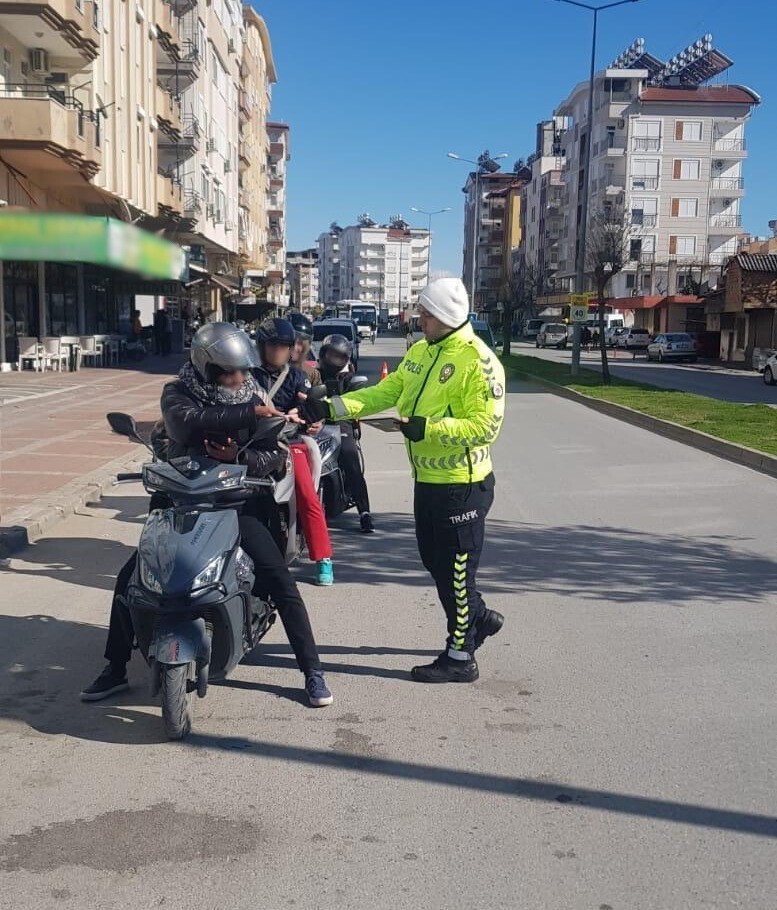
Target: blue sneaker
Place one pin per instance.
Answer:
(318, 694)
(326, 572)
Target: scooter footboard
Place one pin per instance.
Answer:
(179, 641)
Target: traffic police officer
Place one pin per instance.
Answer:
(449, 391)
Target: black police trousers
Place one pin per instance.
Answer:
(450, 521)
(273, 578)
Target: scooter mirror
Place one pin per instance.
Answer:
(123, 424)
(357, 382)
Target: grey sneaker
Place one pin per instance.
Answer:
(319, 695)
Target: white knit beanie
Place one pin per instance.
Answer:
(446, 298)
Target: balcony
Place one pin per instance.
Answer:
(245, 154)
(178, 70)
(168, 110)
(168, 196)
(646, 144)
(49, 130)
(725, 224)
(729, 148)
(68, 29)
(246, 105)
(644, 183)
(193, 204)
(277, 149)
(179, 7)
(641, 219)
(727, 186)
(615, 151)
(168, 30)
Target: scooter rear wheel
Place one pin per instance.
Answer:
(176, 700)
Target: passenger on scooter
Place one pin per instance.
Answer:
(301, 355)
(335, 368)
(214, 402)
(284, 384)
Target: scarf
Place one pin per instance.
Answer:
(213, 393)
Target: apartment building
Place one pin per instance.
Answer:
(543, 207)
(303, 279)
(279, 153)
(258, 75)
(386, 264)
(487, 242)
(668, 150)
(329, 264)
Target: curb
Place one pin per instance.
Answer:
(713, 445)
(26, 526)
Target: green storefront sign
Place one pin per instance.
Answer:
(81, 238)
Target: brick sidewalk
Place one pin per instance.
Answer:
(54, 439)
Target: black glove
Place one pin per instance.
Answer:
(413, 428)
(315, 407)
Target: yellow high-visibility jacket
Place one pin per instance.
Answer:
(458, 384)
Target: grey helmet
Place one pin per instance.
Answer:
(220, 347)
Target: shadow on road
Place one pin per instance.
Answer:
(587, 563)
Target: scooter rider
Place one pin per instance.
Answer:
(214, 401)
(287, 386)
(449, 391)
(335, 368)
(301, 355)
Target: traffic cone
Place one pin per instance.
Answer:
(384, 370)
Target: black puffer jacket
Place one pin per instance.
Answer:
(189, 422)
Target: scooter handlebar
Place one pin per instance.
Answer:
(134, 476)
(258, 483)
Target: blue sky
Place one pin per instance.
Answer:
(377, 91)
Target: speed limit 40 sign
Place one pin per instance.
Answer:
(578, 313)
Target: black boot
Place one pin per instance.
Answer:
(489, 625)
(445, 669)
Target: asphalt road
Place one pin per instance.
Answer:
(711, 380)
(618, 751)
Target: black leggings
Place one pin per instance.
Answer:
(272, 578)
(351, 464)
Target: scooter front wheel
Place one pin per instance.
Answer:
(176, 700)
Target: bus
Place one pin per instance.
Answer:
(365, 315)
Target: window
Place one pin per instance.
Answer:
(644, 211)
(682, 246)
(685, 208)
(635, 250)
(610, 137)
(647, 135)
(644, 175)
(687, 130)
(5, 72)
(686, 169)
(630, 282)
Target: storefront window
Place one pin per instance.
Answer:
(61, 298)
(21, 298)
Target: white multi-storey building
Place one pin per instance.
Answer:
(206, 76)
(667, 150)
(329, 264)
(278, 157)
(302, 278)
(386, 265)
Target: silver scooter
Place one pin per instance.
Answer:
(189, 596)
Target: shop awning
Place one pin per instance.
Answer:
(83, 238)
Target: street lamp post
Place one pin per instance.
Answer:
(583, 234)
(484, 164)
(429, 229)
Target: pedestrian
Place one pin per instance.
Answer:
(409, 335)
(449, 391)
(163, 331)
(137, 326)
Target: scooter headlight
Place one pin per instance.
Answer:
(210, 574)
(149, 580)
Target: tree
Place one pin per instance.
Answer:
(519, 292)
(609, 233)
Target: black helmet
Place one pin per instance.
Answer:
(303, 325)
(276, 331)
(335, 353)
(220, 347)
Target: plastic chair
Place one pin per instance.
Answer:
(29, 350)
(91, 349)
(52, 353)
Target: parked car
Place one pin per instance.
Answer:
(484, 333)
(531, 328)
(672, 346)
(345, 327)
(552, 334)
(633, 339)
(770, 370)
(612, 335)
